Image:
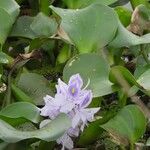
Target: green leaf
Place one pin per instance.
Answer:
(9, 10)
(83, 3)
(42, 25)
(20, 95)
(86, 28)
(35, 86)
(93, 131)
(48, 133)
(5, 25)
(3, 58)
(64, 54)
(22, 110)
(143, 80)
(125, 38)
(129, 124)
(140, 69)
(124, 15)
(135, 3)
(22, 28)
(34, 27)
(93, 69)
(126, 74)
(148, 142)
(11, 7)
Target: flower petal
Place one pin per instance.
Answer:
(66, 141)
(86, 99)
(61, 87)
(74, 132)
(76, 79)
(66, 108)
(90, 112)
(76, 120)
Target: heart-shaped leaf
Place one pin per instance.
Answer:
(87, 27)
(129, 124)
(48, 133)
(93, 69)
(22, 110)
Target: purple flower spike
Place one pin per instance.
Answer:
(72, 100)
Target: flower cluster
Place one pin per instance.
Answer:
(72, 100)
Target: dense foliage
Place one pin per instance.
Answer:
(98, 48)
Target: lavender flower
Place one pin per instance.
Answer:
(72, 100)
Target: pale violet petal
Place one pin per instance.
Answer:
(62, 87)
(86, 99)
(74, 132)
(65, 141)
(60, 99)
(66, 108)
(76, 79)
(90, 112)
(76, 120)
(48, 98)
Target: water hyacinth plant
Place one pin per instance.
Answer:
(74, 74)
(73, 100)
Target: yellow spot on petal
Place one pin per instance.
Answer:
(73, 90)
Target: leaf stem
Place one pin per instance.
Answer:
(132, 146)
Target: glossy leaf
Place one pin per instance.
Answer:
(126, 74)
(87, 27)
(48, 133)
(125, 38)
(143, 80)
(135, 3)
(11, 7)
(95, 71)
(124, 15)
(34, 27)
(42, 25)
(22, 110)
(35, 86)
(22, 28)
(9, 10)
(129, 124)
(20, 95)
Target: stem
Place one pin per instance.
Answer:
(132, 146)
(135, 99)
(44, 6)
